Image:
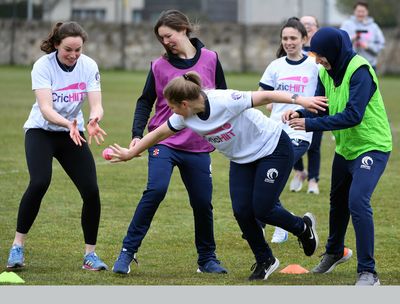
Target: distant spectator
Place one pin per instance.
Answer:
(311, 24)
(365, 34)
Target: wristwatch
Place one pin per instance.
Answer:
(294, 98)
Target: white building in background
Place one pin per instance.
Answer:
(275, 12)
(120, 11)
(247, 12)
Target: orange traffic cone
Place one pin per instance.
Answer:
(294, 269)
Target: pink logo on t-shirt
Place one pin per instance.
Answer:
(226, 126)
(303, 79)
(71, 96)
(74, 86)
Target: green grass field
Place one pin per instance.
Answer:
(54, 248)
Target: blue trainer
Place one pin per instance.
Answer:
(123, 262)
(92, 262)
(16, 257)
(212, 266)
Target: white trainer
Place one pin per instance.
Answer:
(313, 186)
(280, 235)
(297, 182)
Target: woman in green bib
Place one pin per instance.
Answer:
(359, 122)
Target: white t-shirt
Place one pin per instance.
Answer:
(69, 89)
(233, 127)
(301, 79)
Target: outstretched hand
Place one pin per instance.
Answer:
(121, 154)
(94, 130)
(314, 103)
(74, 133)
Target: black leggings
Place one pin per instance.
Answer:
(40, 148)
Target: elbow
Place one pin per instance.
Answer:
(355, 121)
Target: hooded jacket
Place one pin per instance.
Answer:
(367, 32)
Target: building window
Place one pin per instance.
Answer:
(137, 16)
(89, 14)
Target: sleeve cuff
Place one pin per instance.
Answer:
(301, 115)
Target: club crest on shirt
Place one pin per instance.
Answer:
(156, 152)
(272, 174)
(366, 162)
(236, 95)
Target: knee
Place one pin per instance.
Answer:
(360, 209)
(39, 185)
(243, 214)
(263, 207)
(264, 216)
(90, 193)
(201, 203)
(155, 193)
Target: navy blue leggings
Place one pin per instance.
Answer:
(314, 157)
(353, 182)
(40, 148)
(300, 147)
(255, 189)
(195, 172)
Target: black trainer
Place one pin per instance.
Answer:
(330, 261)
(309, 238)
(263, 270)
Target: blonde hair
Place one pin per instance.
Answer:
(185, 87)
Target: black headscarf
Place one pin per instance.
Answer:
(335, 45)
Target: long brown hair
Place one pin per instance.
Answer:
(295, 23)
(174, 19)
(185, 87)
(59, 32)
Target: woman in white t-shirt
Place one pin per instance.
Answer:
(260, 152)
(61, 80)
(296, 73)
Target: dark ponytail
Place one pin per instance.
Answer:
(295, 23)
(59, 32)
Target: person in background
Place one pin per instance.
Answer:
(293, 72)
(185, 150)
(314, 151)
(357, 116)
(260, 154)
(61, 80)
(366, 36)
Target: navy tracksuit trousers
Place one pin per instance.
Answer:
(255, 189)
(195, 170)
(352, 185)
(314, 157)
